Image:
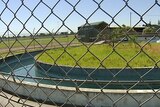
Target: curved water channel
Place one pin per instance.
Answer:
(23, 67)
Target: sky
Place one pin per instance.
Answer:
(50, 15)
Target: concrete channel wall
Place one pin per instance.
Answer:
(83, 96)
(126, 74)
(121, 78)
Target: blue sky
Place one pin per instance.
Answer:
(63, 9)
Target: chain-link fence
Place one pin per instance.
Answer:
(80, 53)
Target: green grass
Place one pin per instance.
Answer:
(20, 45)
(123, 54)
(18, 42)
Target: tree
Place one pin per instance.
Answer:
(111, 34)
(114, 34)
(42, 34)
(120, 32)
(149, 30)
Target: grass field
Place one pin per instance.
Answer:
(17, 45)
(20, 42)
(125, 52)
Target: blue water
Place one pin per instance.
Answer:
(23, 67)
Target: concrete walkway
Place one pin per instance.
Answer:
(8, 100)
(99, 42)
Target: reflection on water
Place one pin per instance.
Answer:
(32, 74)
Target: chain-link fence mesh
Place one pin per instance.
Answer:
(79, 53)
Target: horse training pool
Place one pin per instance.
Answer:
(23, 69)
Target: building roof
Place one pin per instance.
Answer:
(93, 24)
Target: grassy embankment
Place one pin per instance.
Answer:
(125, 52)
(18, 42)
(18, 45)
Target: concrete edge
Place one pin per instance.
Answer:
(74, 89)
